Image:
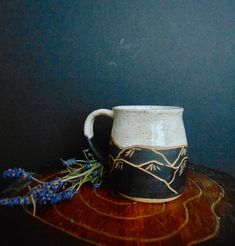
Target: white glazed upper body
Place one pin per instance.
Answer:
(160, 126)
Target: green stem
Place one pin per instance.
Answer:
(37, 180)
(69, 176)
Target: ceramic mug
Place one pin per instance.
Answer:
(148, 151)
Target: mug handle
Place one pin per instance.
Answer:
(89, 133)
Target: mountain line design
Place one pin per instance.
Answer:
(161, 165)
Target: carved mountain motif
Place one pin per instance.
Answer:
(164, 168)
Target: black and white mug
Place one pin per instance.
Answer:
(148, 151)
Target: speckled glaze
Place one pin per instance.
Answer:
(148, 151)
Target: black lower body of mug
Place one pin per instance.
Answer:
(148, 174)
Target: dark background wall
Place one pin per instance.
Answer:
(62, 59)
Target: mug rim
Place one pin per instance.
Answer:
(147, 108)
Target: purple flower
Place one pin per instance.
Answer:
(94, 173)
(43, 193)
(65, 195)
(96, 185)
(18, 200)
(88, 164)
(69, 162)
(56, 184)
(69, 194)
(16, 173)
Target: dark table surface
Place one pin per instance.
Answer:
(19, 228)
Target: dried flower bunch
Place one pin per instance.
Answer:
(61, 188)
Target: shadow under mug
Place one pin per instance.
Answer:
(147, 151)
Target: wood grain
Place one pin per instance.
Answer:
(102, 217)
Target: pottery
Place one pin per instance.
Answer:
(147, 152)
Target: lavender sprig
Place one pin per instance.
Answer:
(18, 200)
(58, 189)
(16, 173)
(69, 162)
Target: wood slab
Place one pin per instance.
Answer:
(102, 217)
